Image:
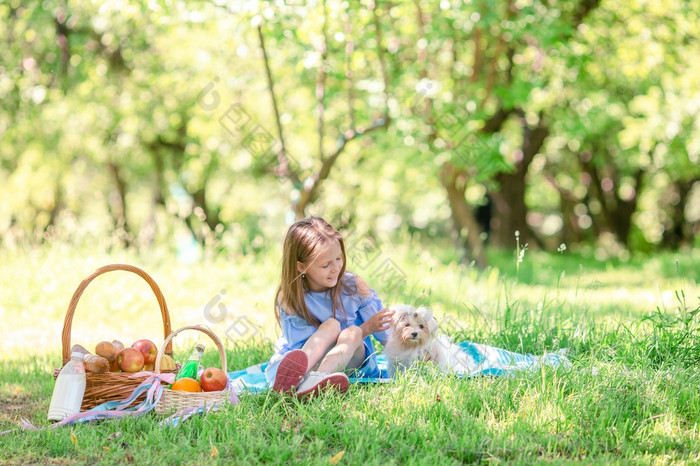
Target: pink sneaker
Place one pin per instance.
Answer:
(314, 382)
(290, 371)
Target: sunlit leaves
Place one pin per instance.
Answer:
(148, 86)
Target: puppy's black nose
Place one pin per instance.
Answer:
(414, 334)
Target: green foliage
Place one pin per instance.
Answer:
(128, 117)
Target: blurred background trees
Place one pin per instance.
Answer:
(215, 123)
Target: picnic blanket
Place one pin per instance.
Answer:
(491, 361)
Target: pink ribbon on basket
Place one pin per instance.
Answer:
(155, 380)
(233, 397)
(118, 409)
(167, 377)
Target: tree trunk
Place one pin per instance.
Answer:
(679, 232)
(57, 205)
(571, 232)
(117, 205)
(511, 210)
(211, 214)
(616, 212)
(455, 183)
(149, 230)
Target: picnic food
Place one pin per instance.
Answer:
(69, 389)
(114, 385)
(191, 366)
(186, 384)
(106, 357)
(174, 398)
(130, 360)
(213, 379)
(96, 364)
(107, 350)
(148, 349)
(167, 363)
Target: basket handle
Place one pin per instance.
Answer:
(206, 331)
(68, 322)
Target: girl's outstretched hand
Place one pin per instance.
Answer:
(381, 320)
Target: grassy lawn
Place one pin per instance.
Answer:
(630, 397)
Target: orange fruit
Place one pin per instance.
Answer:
(186, 384)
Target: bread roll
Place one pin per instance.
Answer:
(96, 364)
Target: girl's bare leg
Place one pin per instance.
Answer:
(348, 352)
(320, 342)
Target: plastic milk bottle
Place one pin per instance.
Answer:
(69, 389)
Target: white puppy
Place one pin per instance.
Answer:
(414, 337)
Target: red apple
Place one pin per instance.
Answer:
(130, 360)
(148, 349)
(213, 379)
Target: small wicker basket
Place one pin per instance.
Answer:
(176, 400)
(110, 386)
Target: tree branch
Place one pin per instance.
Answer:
(478, 62)
(285, 169)
(349, 49)
(585, 7)
(496, 121)
(321, 82)
(382, 58)
(422, 54)
(308, 194)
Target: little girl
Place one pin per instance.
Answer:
(326, 315)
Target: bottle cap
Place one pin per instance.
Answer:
(199, 347)
(77, 354)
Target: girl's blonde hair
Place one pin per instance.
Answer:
(303, 242)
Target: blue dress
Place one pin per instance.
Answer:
(295, 330)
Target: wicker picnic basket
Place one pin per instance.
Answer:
(110, 386)
(176, 400)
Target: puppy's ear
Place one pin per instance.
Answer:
(425, 313)
(433, 326)
(432, 323)
(400, 312)
(398, 315)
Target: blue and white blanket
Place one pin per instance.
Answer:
(491, 361)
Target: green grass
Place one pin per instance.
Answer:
(632, 329)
